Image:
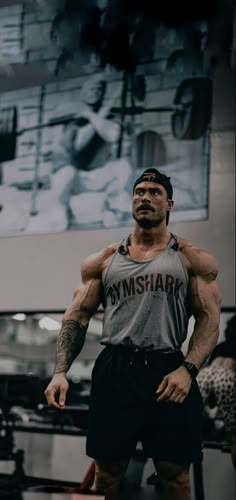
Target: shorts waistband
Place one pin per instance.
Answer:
(143, 356)
(137, 352)
(143, 352)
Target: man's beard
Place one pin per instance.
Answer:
(148, 223)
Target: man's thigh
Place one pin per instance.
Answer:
(115, 414)
(173, 432)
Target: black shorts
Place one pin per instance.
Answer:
(124, 409)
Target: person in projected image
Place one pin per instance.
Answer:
(88, 183)
(87, 177)
(143, 388)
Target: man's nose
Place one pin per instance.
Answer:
(146, 197)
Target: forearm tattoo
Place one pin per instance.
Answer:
(69, 344)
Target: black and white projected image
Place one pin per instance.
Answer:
(72, 148)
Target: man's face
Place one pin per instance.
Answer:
(93, 92)
(150, 204)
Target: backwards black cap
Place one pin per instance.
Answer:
(153, 175)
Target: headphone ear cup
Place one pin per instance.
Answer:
(122, 250)
(175, 246)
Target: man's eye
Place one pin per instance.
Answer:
(139, 192)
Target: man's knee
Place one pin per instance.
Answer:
(174, 474)
(108, 476)
(63, 176)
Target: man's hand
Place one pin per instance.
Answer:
(175, 386)
(57, 388)
(86, 112)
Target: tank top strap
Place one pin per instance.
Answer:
(173, 243)
(123, 248)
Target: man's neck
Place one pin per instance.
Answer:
(150, 237)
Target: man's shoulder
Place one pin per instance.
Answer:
(198, 260)
(94, 265)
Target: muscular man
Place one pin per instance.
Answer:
(84, 172)
(80, 142)
(142, 387)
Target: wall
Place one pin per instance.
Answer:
(40, 272)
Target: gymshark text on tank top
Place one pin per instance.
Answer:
(146, 302)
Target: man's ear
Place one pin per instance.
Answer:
(170, 204)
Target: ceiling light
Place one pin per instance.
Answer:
(19, 316)
(47, 323)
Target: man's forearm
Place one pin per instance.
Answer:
(202, 341)
(69, 344)
(107, 129)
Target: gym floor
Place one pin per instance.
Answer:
(146, 494)
(59, 496)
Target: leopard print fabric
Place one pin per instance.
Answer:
(219, 382)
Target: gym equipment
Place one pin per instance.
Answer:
(191, 113)
(21, 410)
(194, 95)
(8, 135)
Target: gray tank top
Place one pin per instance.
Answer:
(146, 302)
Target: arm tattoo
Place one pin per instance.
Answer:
(69, 344)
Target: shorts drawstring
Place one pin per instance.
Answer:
(137, 352)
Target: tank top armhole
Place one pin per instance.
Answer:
(112, 259)
(183, 266)
(174, 237)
